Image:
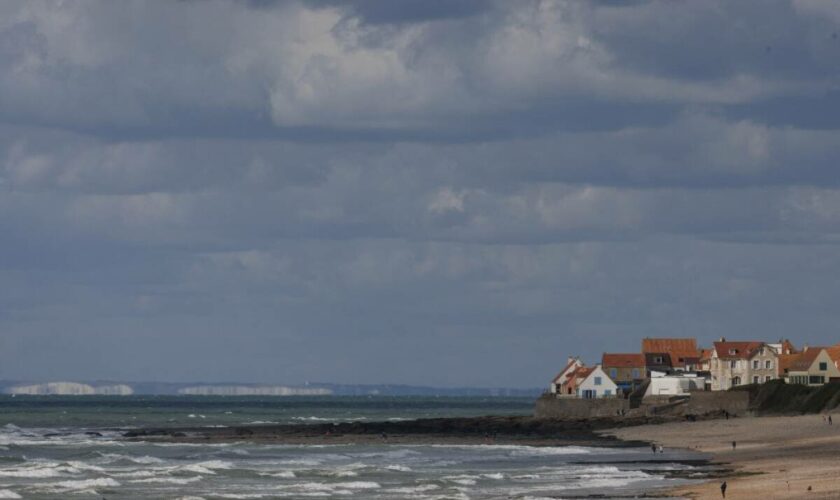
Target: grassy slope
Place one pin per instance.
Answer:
(776, 397)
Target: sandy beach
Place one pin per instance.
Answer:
(775, 457)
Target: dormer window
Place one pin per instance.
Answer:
(733, 351)
(658, 360)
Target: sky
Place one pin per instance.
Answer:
(449, 193)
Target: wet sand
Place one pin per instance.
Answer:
(775, 457)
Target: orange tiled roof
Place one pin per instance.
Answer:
(742, 350)
(557, 377)
(786, 361)
(630, 360)
(833, 352)
(705, 354)
(677, 348)
(581, 372)
(803, 361)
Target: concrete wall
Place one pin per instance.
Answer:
(735, 402)
(699, 403)
(549, 406)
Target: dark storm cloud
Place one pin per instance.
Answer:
(420, 192)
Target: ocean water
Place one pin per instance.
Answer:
(70, 447)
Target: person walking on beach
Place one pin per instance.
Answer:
(652, 448)
(829, 420)
(723, 489)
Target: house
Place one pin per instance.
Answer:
(812, 366)
(683, 352)
(743, 362)
(573, 381)
(834, 354)
(783, 347)
(626, 370)
(657, 362)
(705, 361)
(596, 385)
(675, 384)
(558, 382)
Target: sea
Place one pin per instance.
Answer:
(58, 447)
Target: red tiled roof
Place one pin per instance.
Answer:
(677, 348)
(705, 354)
(737, 350)
(614, 360)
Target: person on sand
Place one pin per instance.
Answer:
(723, 489)
(652, 448)
(829, 420)
(661, 449)
(734, 444)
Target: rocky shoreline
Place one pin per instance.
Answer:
(490, 429)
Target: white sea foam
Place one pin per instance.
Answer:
(286, 474)
(35, 470)
(144, 459)
(398, 468)
(137, 473)
(411, 490)
(9, 494)
(169, 480)
(358, 485)
(84, 484)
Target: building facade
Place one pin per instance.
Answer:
(626, 370)
(812, 366)
(739, 363)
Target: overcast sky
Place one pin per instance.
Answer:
(427, 192)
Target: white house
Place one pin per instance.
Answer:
(561, 380)
(597, 385)
(674, 384)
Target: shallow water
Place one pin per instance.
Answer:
(45, 457)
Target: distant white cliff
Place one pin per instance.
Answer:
(71, 389)
(241, 390)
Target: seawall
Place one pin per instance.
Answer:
(549, 406)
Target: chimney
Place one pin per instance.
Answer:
(722, 339)
(805, 348)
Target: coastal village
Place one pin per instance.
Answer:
(679, 367)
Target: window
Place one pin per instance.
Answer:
(816, 379)
(823, 367)
(736, 381)
(733, 351)
(756, 366)
(768, 378)
(607, 392)
(613, 373)
(768, 364)
(658, 360)
(635, 373)
(756, 379)
(597, 380)
(733, 364)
